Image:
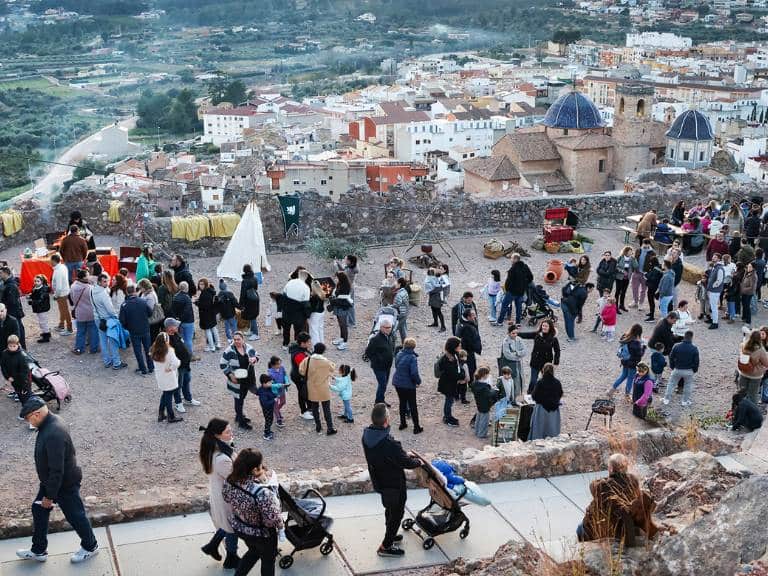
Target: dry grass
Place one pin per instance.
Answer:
(693, 434)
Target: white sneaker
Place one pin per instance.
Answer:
(342, 346)
(307, 416)
(253, 337)
(180, 408)
(193, 402)
(209, 349)
(684, 403)
(337, 341)
(66, 333)
(82, 555)
(29, 555)
(665, 401)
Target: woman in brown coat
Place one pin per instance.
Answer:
(318, 371)
(647, 225)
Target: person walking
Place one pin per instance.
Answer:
(74, 250)
(11, 297)
(184, 312)
(82, 312)
(40, 301)
(318, 371)
(547, 393)
(715, 286)
(448, 372)
(227, 307)
(387, 462)
(519, 277)
(134, 316)
(406, 380)
(342, 303)
(434, 290)
(546, 349)
(249, 301)
(380, 355)
(216, 455)
(631, 350)
(752, 365)
(103, 313)
(401, 304)
(166, 374)
(298, 351)
(349, 267)
(238, 363)
(256, 515)
(207, 309)
(60, 478)
(626, 266)
(60, 285)
(684, 362)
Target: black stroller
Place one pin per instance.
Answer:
(306, 526)
(443, 514)
(539, 306)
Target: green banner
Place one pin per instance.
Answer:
(290, 207)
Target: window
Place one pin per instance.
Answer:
(323, 182)
(686, 155)
(601, 165)
(701, 156)
(215, 197)
(330, 177)
(418, 142)
(640, 111)
(296, 182)
(565, 131)
(671, 152)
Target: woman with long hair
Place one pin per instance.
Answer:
(147, 293)
(752, 365)
(237, 362)
(626, 265)
(547, 393)
(341, 302)
(256, 513)
(207, 309)
(145, 263)
(166, 375)
(118, 290)
(216, 456)
(546, 349)
(166, 291)
(450, 372)
(631, 350)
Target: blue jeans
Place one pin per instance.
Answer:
(166, 403)
(382, 377)
(731, 309)
(141, 344)
(580, 532)
(569, 319)
(110, 351)
(72, 268)
(664, 304)
(492, 306)
(187, 333)
(348, 409)
(68, 500)
(86, 330)
(230, 327)
(254, 327)
(506, 302)
(185, 378)
(447, 405)
(533, 380)
(627, 374)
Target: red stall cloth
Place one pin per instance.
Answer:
(31, 267)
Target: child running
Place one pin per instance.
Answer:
(280, 382)
(342, 385)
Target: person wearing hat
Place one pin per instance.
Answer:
(60, 479)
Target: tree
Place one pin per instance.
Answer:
(182, 116)
(187, 76)
(87, 168)
(152, 109)
(217, 87)
(561, 36)
(235, 93)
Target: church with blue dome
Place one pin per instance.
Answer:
(690, 141)
(573, 152)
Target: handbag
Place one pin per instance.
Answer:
(157, 314)
(252, 295)
(76, 303)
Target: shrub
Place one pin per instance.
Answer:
(325, 246)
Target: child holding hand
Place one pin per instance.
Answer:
(342, 385)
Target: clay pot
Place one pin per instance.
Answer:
(426, 248)
(554, 271)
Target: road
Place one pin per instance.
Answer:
(53, 181)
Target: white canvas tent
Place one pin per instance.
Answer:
(246, 246)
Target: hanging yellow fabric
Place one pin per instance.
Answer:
(190, 228)
(12, 222)
(113, 215)
(224, 225)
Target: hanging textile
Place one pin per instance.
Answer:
(12, 222)
(223, 225)
(113, 214)
(290, 207)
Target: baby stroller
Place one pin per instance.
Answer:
(539, 305)
(444, 512)
(50, 385)
(391, 313)
(306, 526)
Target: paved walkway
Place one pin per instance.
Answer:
(543, 511)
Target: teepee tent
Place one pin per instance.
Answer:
(246, 246)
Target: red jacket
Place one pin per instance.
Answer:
(716, 247)
(608, 315)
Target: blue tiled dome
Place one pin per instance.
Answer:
(573, 110)
(691, 125)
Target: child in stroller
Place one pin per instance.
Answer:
(47, 384)
(389, 312)
(307, 525)
(540, 305)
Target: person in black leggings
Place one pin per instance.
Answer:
(405, 380)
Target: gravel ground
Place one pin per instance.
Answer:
(122, 447)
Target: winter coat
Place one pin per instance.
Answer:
(749, 284)
(249, 308)
(342, 385)
(40, 299)
(662, 332)
(183, 353)
(752, 226)
(182, 274)
(636, 350)
(546, 348)
(144, 268)
(102, 304)
(379, 352)
(653, 278)
(12, 298)
(716, 246)
(402, 302)
(167, 372)
(228, 304)
(406, 370)
(15, 365)
(116, 332)
(625, 265)
(574, 297)
(55, 460)
(73, 248)
(512, 350)
(746, 254)
(457, 315)
(165, 299)
(758, 359)
(256, 508)
(667, 284)
(230, 361)
(548, 391)
(207, 307)
(603, 518)
(386, 461)
(658, 362)
(606, 274)
(519, 277)
(134, 315)
(609, 314)
(318, 371)
(60, 281)
(470, 338)
(181, 308)
(485, 395)
(80, 295)
(7, 327)
(747, 415)
(219, 509)
(642, 390)
(685, 356)
(450, 374)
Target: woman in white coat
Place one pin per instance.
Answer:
(167, 376)
(216, 456)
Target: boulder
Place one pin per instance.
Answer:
(718, 543)
(513, 559)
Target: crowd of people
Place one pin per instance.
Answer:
(154, 311)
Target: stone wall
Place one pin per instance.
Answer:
(566, 454)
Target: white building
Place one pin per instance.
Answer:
(747, 147)
(665, 40)
(414, 140)
(212, 189)
(230, 124)
(756, 168)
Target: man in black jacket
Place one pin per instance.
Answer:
(184, 355)
(574, 296)
(386, 464)
(298, 351)
(184, 312)
(8, 325)
(181, 273)
(12, 300)
(380, 354)
(663, 333)
(471, 344)
(134, 316)
(60, 478)
(459, 310)
(519, 277)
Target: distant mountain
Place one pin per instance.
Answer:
(95, 7)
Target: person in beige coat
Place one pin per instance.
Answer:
(647, 225)
(753, 362)
(216, 456)
(318, 371)
(167, 376)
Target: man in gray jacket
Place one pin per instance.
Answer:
(102, 312)
(715, 284)
(60, 478)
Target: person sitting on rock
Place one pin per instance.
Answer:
(746, 414)
(615, 500)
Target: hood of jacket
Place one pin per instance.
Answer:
(374, 435)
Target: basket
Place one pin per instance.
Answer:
(240, 373)
(414, 298)
(552, 247)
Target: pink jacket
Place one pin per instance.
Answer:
(608, 315)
